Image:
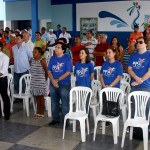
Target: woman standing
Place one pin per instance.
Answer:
(39, 75)
(111, 70)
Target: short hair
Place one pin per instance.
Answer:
(65, 28)
(142, 37)
(88, 55)
(63, 39)
(90, 31)
(105, 35)
(136, 26)
(59, 25)
(43, 28)
(38, 33)
(63, 45)
(1, 44)
(19, 35)
(39, 50)
(6, 31)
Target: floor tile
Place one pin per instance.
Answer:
(5, 145)
(13, 132)
(51, 138)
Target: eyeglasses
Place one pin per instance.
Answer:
(139, 42)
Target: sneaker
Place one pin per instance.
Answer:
(53, 122)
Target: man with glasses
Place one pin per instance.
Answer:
(139, 69)
(89, 42)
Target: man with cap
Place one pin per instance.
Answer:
(53, 37)
(136, 34)
(4, 63)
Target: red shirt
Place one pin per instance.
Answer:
(75, 52)
(101, 48)
(9, 46)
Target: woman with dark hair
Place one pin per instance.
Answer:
(84, 70)
(119, 49)
(39, 75)
(111, 70)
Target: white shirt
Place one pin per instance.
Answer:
(67, 36)
(4, 63)
(52, 38)
(29, 44)
(90, 47)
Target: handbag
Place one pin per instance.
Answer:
(110, 108)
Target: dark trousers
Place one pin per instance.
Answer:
(17, 77)
(5, 97)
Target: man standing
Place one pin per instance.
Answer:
(53, 38)
(58, 32)
(89, 42)
(22, 55)
(65, 35)
(4, 63)
(45, 36)
(139, 69)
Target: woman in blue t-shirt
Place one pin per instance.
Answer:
(84, 70)
(111, 70)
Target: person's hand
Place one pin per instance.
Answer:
(134, 83)
(55, 83)
(139, 80)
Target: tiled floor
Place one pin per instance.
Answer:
(28, 133)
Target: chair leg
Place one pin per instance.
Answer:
(118, 128)
(131, 133)
(11, 104)
(94, 113)
(33, 102)
(48, 100)
(64, 127)
(103, 127)
(74, 125)
(123, 136)
(124, 115)
(95, 128)
(115, 131)
(82, 130)
(26, 100)
(145, 137)
(88, 130)
(2, 108)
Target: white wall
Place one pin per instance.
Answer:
(2, 10)
(117, 8)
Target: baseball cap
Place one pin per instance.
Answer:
(13, 35)
(50, 30)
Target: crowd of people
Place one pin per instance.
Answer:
(17, 48)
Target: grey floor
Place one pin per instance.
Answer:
(28, 133)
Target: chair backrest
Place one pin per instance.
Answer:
(10, 80)
(11, 67)
(82, 96)
(73, 81)
(112, 94)
(27, 79)
(97, 70)
(140, 99)
(126, 77)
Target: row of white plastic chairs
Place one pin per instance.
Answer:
(81, 94)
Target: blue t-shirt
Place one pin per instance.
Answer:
(140, 64)
(110, 72)
(83, 72)
(60, 65)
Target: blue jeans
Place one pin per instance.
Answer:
(57, 94)
(133, 104)
(17, 77)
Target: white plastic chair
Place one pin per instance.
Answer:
(82, 94)
(125, 87)
(25, 96)
(126, 77)
(48, 101)
(9, 91)
(141, 99)
(96, 87)
(112, 94)
(97, 69)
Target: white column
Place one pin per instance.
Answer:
(7, 24)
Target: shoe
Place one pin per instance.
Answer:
(6, 117)
(53, 122)
(39, 116)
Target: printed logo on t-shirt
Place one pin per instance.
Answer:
(139, 63)
(109, 72)
(57, 67)
(81, 72)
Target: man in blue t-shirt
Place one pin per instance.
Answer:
(59, 70)
(139, 68)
